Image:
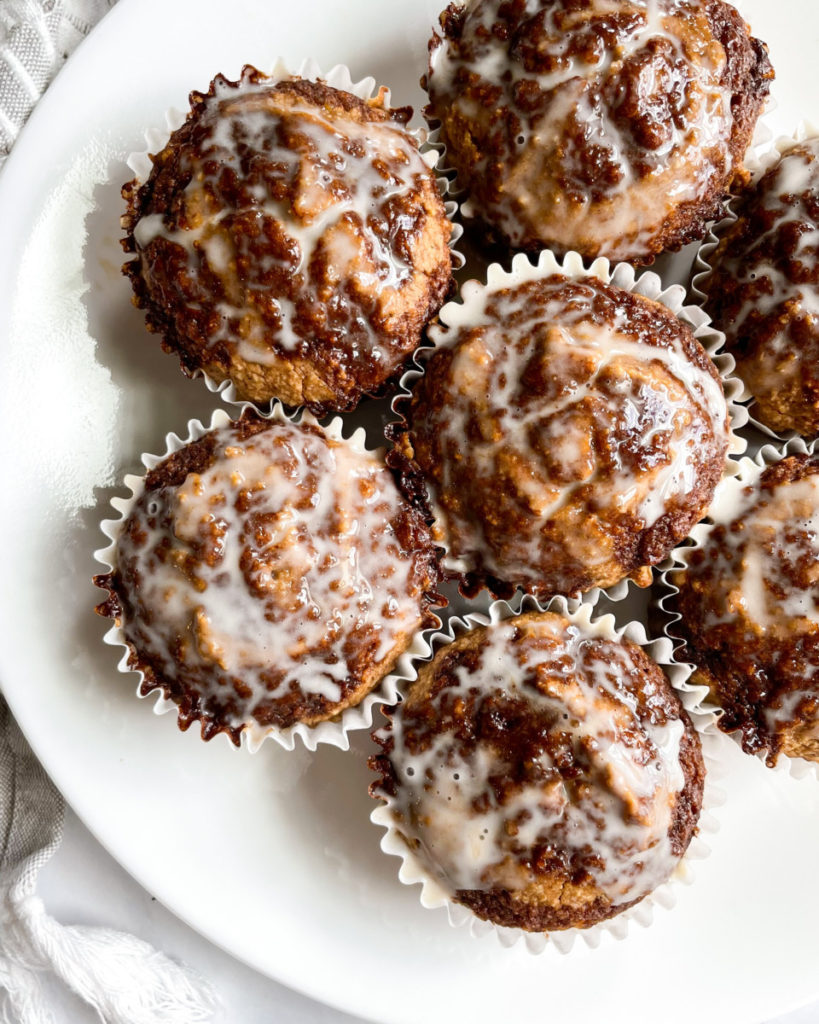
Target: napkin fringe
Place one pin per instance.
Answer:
(123, 978)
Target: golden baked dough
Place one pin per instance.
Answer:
(268, 574)
(290, 238)
(763, 291)
(749, 607)
(571, 434)
(614, 129)
(546, 775)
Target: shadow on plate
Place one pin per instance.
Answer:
(155, 396)
(335, 807)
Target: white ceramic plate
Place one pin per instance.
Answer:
(273, 856)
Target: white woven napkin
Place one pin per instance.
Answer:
(35, 38)
(124, 979)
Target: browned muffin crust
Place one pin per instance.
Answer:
(225, 586)
(547, 429)
(748, 603)
(614, 132)
(763, 291)
(290, 238)
(531, 727)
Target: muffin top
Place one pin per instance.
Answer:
(290, 238)
(764, 291)
(571, 433)
(610, 128)
(546, 773)
(268, 574)
(749, 607)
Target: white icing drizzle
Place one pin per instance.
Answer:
(750, 606)
(493, 64)
(276, 566)
(477, 835)
(675, 405)
(680, 168)
(770, 542)
(346, 175)
(787, 192)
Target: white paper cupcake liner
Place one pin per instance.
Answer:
(333, 732)
(759, 160)
(434, 896)
(743, 472)
(621, 275)
(339, 77)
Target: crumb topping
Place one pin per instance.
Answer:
(273, 577)
(559, 424)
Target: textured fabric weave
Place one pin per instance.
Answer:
(35, 38)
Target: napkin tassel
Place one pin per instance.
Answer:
(123, 978)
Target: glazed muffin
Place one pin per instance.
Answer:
(545, 773)
(749, 606)
(611, 129)
(291, 239)
(268, 574)
(570, 432)
(763, 291)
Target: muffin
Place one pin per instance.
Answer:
(763, 291)
(269, 573)
(291, 239)
(544, 773)
(570, 432)
(748, 603)
(611, 129)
